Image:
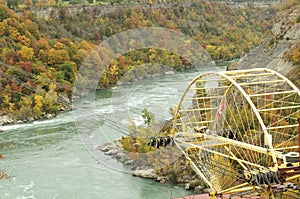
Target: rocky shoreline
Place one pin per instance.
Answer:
(9, 119)
(141, 168)
(6, 119)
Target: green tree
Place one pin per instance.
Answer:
(59, 2)
(148, 116)
(25, 110)
(69, 71)
(13, 4)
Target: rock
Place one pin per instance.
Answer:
(207, 190)
(148, 173)
(155, 75)
(141, 168)
(49, 116)
(106, 147)
(111, 152)
(186, 178)
(187, 186)
(115, 151)
(161, 179)
(120, 83)
(169, 72)
(5, 119)
(121, 157)
(65, 101)
(118, 143)
(198, 189)
(181, 180)
(128, 162)
(30, 119)
(195, 183)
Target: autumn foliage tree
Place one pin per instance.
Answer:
(40, 58)
(34, 70)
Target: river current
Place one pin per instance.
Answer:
(49, 159)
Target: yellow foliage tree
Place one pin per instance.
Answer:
(59, 46)
(296, 56)
(26, 53)
(86, 46)
(51, 2)
(57, 57)
(38, 105)
(50, 100)
(28, 3)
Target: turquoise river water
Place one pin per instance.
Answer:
(50, 159)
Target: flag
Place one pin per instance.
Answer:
(221, 109)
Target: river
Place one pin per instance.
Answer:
(50, 159)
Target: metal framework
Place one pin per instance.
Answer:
(239, 131)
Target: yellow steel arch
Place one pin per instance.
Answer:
(238, 123)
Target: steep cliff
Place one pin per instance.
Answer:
(273, 52)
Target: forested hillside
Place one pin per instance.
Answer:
(40, 58)
(280, 50)
(27, 3)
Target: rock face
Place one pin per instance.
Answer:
(97, 10)
(270, 54)
(5, 119)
